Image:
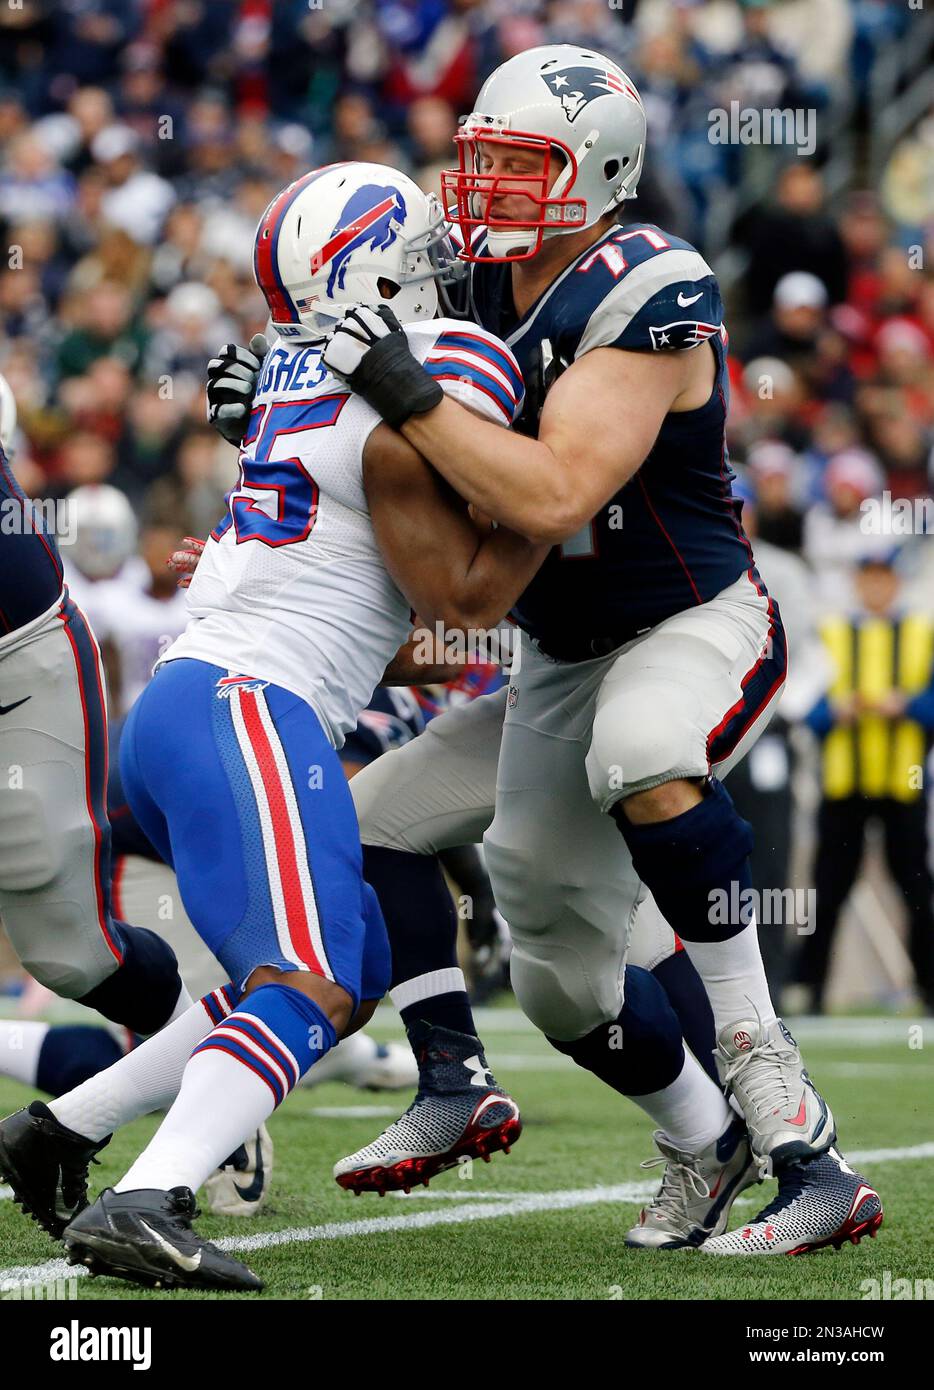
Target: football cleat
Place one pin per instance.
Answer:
(362, 1062)
(819, 1202)
(697, 1191)
(46, 1165)
(146, 1237)
(459, 1112)
(241, 1185)
(761, 1068)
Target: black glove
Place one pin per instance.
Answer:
(231, 382)
(369, 350)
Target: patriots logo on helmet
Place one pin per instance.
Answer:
(576, 87)
(686, 333)
(372, 216)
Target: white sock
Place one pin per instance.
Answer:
(182, 1004)
(146, 1079)
(692, 1110)
(220, 1102)
(20, 1045)
(733, 975)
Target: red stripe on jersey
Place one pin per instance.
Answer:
(476, 386)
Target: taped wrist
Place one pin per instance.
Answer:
(396, 385)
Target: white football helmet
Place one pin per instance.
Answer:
(7, 417)
(341, 235)
(103, 527)
(584, 112)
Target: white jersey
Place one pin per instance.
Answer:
(292, 587)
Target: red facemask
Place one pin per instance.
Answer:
(468, 195)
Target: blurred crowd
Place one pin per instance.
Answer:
(141, 139)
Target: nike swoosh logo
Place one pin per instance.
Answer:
(5, 709)
(683, 303)
(186, 1262)
(255, 1189)
(801, 1118)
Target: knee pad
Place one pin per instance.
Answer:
(688, 859)
(642, 736)
(142, 992)
(639, 1052)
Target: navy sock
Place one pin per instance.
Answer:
(688, 997)
(697, 866)
(642, 1050)
(422, 928)
(73, 1053)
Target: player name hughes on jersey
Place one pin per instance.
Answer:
(671, 538)
(292, 587)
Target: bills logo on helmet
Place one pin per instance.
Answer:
(686, 333)
(372, 216)
(578, 86)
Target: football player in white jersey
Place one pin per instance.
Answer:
(334, 532)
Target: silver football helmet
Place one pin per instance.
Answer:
(578, 107)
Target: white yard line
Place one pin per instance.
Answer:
(509, 1203)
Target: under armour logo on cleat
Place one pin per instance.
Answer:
(480, 1071)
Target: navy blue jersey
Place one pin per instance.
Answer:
(392, 718)
(30, 565)
(671, 537)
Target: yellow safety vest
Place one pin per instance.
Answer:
(875, 756)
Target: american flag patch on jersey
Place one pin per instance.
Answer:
(486, 365)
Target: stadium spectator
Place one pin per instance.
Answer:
(875, 725)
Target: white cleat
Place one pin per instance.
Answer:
(761, 1068)
(241, 1185)
(819, 1202)
(697, 1191)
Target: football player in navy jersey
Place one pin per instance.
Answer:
(55, 838)
(651, 655)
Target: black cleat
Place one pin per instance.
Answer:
(46, 1165)
(146, 1237)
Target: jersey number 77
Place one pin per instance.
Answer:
(284, 482)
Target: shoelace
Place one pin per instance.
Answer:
(673, 1195)
(73, 1181)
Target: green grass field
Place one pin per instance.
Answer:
(548, 1221)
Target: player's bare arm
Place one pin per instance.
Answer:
(547, 488)
(449, 570)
